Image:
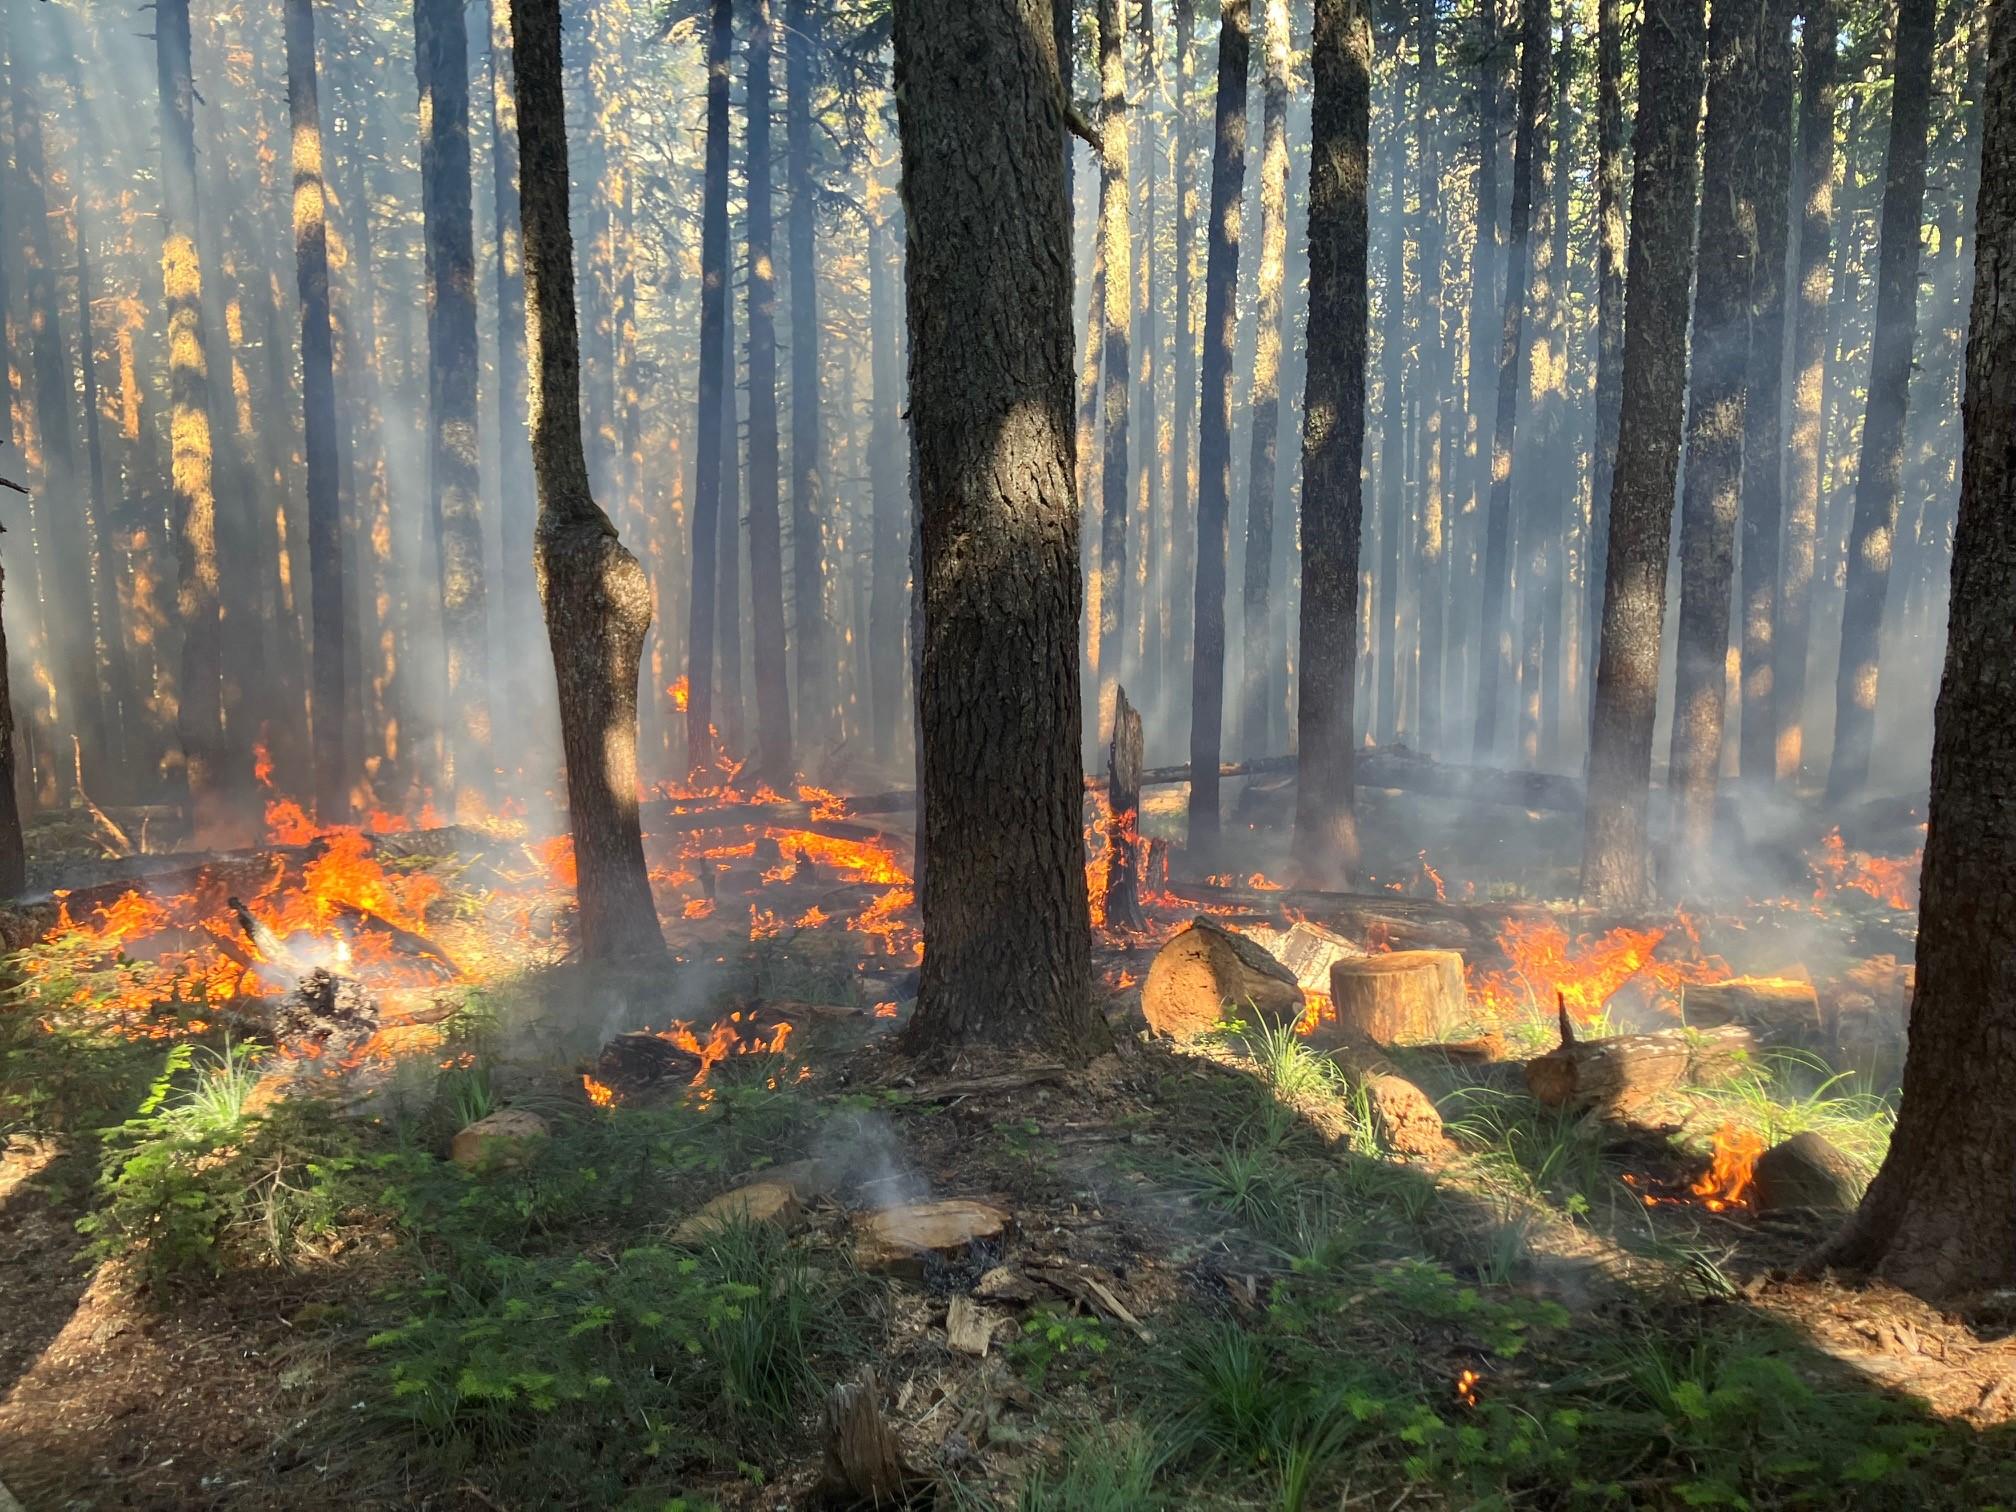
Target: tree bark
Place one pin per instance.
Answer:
(598, 606)
(1809, 369)
(1214, 440)
(1333, 440)
(713, 401)
(1432, 547)
(814, 661)
(1616, 855)
(1256, 680)
(1610, 237)
(1007, 958)
(1940, 1217)
(1763, 457)
(1713, 485)
(1879, 470)
(1116, 253)
(1495, 642)
(773, 763)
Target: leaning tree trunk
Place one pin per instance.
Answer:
(766, 538)
(1879, 471)
(1494, 649)
(1007, 943)
(816, 683)
(318, 419)
(441, 53)
(1771, 145)
(713, 384)
(1609, 306)
(1713, 485)
(1333, 439)
(1256, 680)
(1432, 548)
(1809, 372)
(1214, 441)
(1940, 1218)
(1116, 253)
(1616, 855)
(598, 605)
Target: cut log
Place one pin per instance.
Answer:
(631, 1062)
(1123, 791)
(903, 1238)
(759, 1202)
(1617, 1073)
(863, 1462)
(1806, 1171)
(1400, 996)
(501, 1141)
(1206, 974)
(1774, 1006)
(1403, 1116)
(1309, 950)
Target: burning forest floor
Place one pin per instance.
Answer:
(490, 1231)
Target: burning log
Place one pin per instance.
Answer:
(1806, 1171)
(631, 1062)
(1399, 996)
(1768, 1004)
(1617, 1073)
(1206, 971)
(1123, 768)
(1403, 1116)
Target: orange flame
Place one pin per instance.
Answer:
(1466, 1387)
(598, 1094)
(681, 693)
(1890, 880)
(1726, 1182)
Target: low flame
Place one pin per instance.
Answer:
(1890, 880)
(1466, 1387)
(598, 1094)
(1726, 1183)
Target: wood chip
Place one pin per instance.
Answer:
(1004, 1284)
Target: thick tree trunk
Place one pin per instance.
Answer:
(1333, 440)
(1809, 369)
(1610, 235)
(1214, 441)
(1713, 485)
(773, 762)
(1393, 397)
(1007, 957)
(1770, 145)
(1256, 680)
(1616, 856)
(441, 51)
(1940, 1217)
(713, 399)
(1432, 547)
(1879, 471)
(1495, 643)
(1116, 253)
(1538, 471)
(598, 606)
(813, 658)
(318, 416)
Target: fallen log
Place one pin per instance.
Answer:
(1617, 1073)
(1768, 1005)
(1206, 973)
(1401, 995)
(1407, 923)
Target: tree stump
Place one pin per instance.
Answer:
(864, 1464)
(1206, 973)
(1397, 996)
(901, 1238)
(1806, 1171)
(1123, 832)
(1625, 1070)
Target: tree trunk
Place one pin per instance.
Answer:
(773, 763)
(1713, 484)
(13, 852)
(1116, 252)
(1538, 471)
(714, 401)
(318, 416)
(1809, 369)
(598, 606)
(1333, 440)
(1214, 441)
(1482, 375)
(1940, 1217)
(1616, 856)
(1432, 548)
(1770, 146)
(814, 661)
(1123, 796)
(889, 570)
(1007, 958)
(1256, 681)
(731, 716)
(1879, 471)
(1181, 583)
(1610, 236)
(441, 52)
(1495, 643)
(1393, 398)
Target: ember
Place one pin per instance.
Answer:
(1466, 1387)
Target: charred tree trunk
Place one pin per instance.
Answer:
(1880, 469)
(1538, 473)
(1256, 683)
(1116, 253)
(1214, 441)
(1333, 440)
(1616, 856)
(1494, 648)
(1771, 146)
(1610, 236)
(1809, 372)
(1482, 375)
(1940, 1217)
(598, 606)
(816, 686)
(318, 417)
(1123, 796)
(1007, 957)
(1393, 398)
(1713, 485)
(714, 398)
(441, 53)
(773, 761)
(1432, 549)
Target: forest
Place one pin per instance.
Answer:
(1061, 755)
